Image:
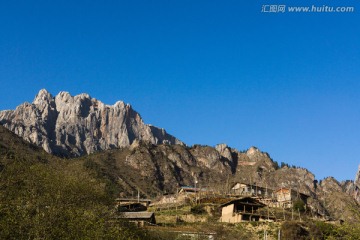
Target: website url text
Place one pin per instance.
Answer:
(305, 9)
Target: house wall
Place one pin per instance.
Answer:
(283, 196)
(228, 215)
(240, 189)
(240, 211)
(227, 211)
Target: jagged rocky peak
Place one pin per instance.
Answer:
(221, 147)
(224, 151)
(76, 125)
(254, 154)
(354, 188)
(357, 178)
(330, 184)
(43, 97)
(252, 151)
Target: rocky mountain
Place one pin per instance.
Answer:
(356, 186)
(353, 187)
(52, 191)
(157, 169)
(144, 158)
(68, 125)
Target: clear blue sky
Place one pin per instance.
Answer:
(207, 71)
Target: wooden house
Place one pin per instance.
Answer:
(242, 209)
(139, 218)
(188, 190)
(286, 196)
(193, 190)
(134, 211)
(244, 189)
(128, 201)
(131, 207)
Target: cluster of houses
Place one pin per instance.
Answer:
(245, 200)
(281, 197)
(242, 204)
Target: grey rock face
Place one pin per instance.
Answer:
(224, 151)
(357, 178)
(353, 187)
(76, 125)
(356, 187)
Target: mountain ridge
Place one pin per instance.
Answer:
(71, 126)
(114, 140)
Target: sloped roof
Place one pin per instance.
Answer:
(283, 189)
(137, 215)
(253, 186)
(135, 200)
(192, 189)
(286, 189)
(245, 200)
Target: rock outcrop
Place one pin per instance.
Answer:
(353, 187)
(69, 126)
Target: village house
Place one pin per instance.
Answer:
(131, 207)
(132, 202)
(242, 209)
(135, 211)
(188, 190)
(192, 190)
(138, 218)
(282, 197)
(286, 197)
(244, 189)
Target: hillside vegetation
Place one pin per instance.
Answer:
(44, 197)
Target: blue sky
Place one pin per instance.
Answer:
(207, 71)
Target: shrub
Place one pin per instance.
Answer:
(293, 231)
(198, 209)
(299, 205)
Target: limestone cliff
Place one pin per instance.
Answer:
(68, 125)
(353, 187)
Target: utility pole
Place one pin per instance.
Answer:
(266, 191)
(265, 234)
(250, 186)
(279, 234)
(196, 181)
(284, 212)
(227, 185)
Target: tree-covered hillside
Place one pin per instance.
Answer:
(44, 197)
